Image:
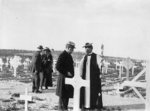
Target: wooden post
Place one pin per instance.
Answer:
(147, 106)
(133, 70)
(127, 68)
(1, 64)
(117, 64)
(127, 73)
(77, 82)
(106, 66)
(120, 71)
(15, 71)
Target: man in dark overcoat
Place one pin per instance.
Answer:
(91, 97)
(48, 68)
(36, 69)
(65, 69)
(41, 75)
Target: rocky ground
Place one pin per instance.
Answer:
(12, 87)
(10, 90)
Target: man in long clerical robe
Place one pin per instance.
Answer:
(90, 69)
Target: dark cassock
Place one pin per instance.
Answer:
(90, 69)
(64, 65)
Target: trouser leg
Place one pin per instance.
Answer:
(41, 80)
(60, 104)
(33, 84)
(46, 80)
(36, 81)
(50, 79)
(63, 103)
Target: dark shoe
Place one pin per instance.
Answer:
(65, 110)
(62, 109)
(38, 92)
(46, 87)
(33, 90)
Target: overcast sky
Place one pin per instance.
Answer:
(123, 26)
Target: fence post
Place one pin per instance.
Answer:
(147, 106)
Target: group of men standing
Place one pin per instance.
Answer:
(41, 68)
(90, 69)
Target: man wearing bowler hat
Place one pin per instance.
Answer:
(36, 69)
(65, 68)
(91, 97)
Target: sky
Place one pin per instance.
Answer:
(123, 26)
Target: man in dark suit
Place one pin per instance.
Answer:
(65, 69)
(36, 69)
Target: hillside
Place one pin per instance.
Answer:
(29, 53)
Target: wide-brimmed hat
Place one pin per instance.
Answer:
(88, 45)
(70, 43)
(40, 47)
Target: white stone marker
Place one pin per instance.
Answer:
(77, 82)
(128, 64)
(117, 64)
(7, 62)
(120, 70)
(15, 62)
(106, 64)
(27, 98)
(27, 62)
(133, 70)
(1, 64)
(144, 64)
